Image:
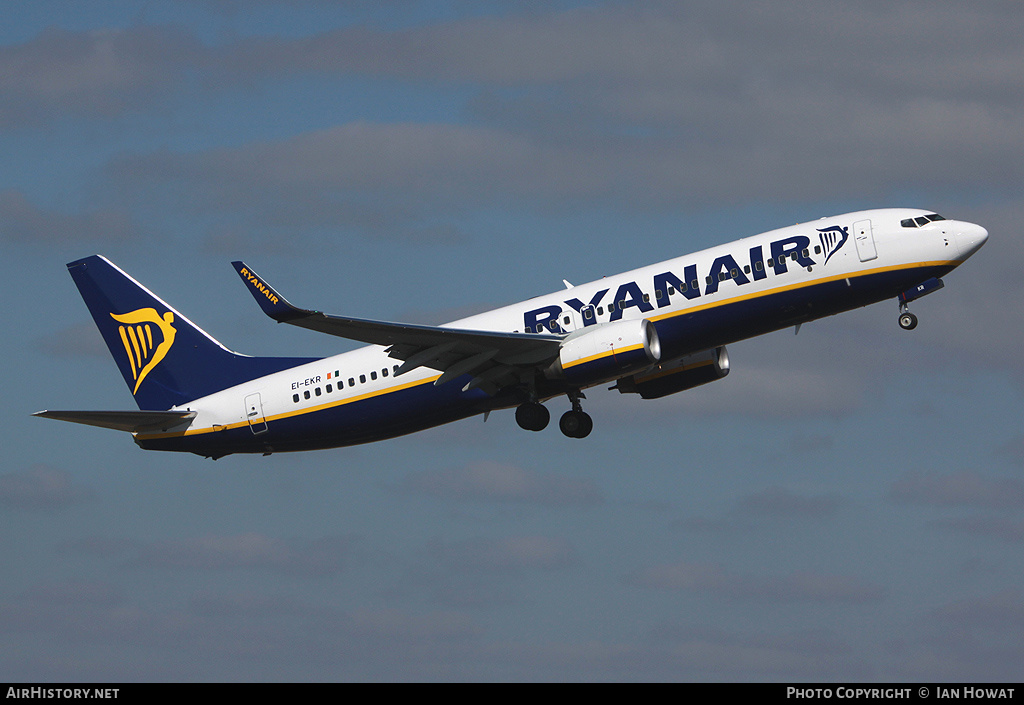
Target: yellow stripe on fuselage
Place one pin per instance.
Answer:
(801, 285)
(296, 412)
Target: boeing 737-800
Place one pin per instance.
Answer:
(652, 331)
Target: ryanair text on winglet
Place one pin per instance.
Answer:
(258, 285)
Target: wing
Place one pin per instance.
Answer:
(131, 421)
(494, 359)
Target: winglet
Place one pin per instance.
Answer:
(272, 303)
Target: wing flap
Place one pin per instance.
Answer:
(131, 421)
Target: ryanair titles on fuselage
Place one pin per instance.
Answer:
(795, 248)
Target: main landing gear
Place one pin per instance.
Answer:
(532, 416)
(575, 423)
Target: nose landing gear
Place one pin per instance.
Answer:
(908, 321)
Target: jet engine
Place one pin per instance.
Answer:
(607, 351)
(678, 375)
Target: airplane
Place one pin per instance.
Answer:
(653, 331)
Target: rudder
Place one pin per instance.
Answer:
(165, 359)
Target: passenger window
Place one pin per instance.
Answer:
(351, 381)
(588, 313)
(709, 280)
(817, 249)
(746, 269)
(373, 374)
(305, 394)
(362, 379)
(771, 262)
(694, 284)
(600, 310)
(733, 273)
(722, 276)
(384, 372)
(657, 293)
(396, 368)
(672, 290)
(758, 265)
(647, 298)
(565, 320)
(295, 398)
(317, 390)
(329, 389)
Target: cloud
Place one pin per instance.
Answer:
(496, 482)
(796, 587)
(510, 555)
(781, 503)
(321, 557)
(96, 74)
(21, 221)
(990, 527)
(69, 631)
(960, 489)
(976, 638)
(41, 487)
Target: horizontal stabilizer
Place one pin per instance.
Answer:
(131, 421)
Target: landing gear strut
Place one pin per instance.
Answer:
(576, 423)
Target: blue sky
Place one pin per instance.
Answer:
(847, 504)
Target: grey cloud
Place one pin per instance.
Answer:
(991, 527)
(779, 502)
(251, 551)
(796, 587)
(82, 340)
(975, 638)
(496, 482)
(960, 489)
(22, 221)
(510, 555)
(101, 73)
(41, 487)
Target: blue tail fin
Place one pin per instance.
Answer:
(165, 359)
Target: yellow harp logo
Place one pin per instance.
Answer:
(137, 335)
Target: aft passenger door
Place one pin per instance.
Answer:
(254, 413)
(865, 240)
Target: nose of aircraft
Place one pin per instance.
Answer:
(970, 238)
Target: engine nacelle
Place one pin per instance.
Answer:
(607, 351)
(678, 375)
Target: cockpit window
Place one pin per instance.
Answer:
(922, 220)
